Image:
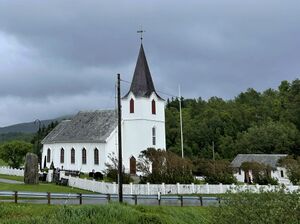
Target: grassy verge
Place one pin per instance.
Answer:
(111, 213)
(42, 187)
(9, 177)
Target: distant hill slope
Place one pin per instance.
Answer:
(30, 127)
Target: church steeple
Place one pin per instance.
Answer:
(142, 84)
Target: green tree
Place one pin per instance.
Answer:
(13, 152)
(270, 137)
(160, 166)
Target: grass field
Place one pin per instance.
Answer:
(42, 187)
(9, 177)
(111, 213)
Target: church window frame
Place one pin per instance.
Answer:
(83, 156)
(153, 135)
(72, 156)
(62, 155)
(153, 106)
(48, 155)
(131, 106)
(96, 156)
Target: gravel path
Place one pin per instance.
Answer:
(10, 181)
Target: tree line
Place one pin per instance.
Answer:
(252, 122)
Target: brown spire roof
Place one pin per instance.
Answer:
(142, 84)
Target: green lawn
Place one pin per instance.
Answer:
(42, 187)
(9, 177)
(111, 213)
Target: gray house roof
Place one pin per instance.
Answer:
(142, 84)
(267, 159)
(91, 126)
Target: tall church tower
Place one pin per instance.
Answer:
(143, 115)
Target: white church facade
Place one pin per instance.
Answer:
(85, 142)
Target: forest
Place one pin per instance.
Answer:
(252, 122)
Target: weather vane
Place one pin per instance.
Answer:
(141, 31)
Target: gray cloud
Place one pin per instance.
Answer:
(58, 57)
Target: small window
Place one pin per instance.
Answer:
(240, 171)
(153, 107)
(131, 106)
(48, 155)
(132, 162)
(153, 136)
(281, 173)
(83, 156)
(72, 155)
(62, 155)
(96, 156)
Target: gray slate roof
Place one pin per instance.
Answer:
(267, 159)
(91, 126)
(142, 84)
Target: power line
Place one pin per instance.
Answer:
(168, 94)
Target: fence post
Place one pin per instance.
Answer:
(207, 188)
(201, 201)
(148, 188)
(178, 188)
(16, 196)
(135, 199)
(108, 197)
(221, 188)
(158, 198)
(181, 200)
(80, 198)
(49, 198)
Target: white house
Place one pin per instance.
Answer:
(270, 160)
(85, 142)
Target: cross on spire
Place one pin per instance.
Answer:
(141, 31)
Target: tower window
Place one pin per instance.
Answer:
(96, 156)
(281, 173)
(153, 136)
(83, 156)
(62, 155)
(72, 155)
(153, 107)
(48, 155)
(131, 106)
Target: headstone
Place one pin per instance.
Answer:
(31, 172)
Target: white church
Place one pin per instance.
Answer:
(84, 143)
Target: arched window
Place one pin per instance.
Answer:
(131, 106)
(153, 136)
(96, 156)
(48, 155)
(132, 166)
(153, 107)
(72, 155)
(62, 155)
(83, 156)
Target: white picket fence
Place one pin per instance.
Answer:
(11, 171)
(150, 189)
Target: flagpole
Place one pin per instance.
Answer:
(180, 114)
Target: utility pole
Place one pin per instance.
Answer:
(120, 176)
(213, 151)
(180, 114)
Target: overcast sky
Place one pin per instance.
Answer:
(59, 57)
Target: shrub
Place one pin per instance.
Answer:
(264, 207)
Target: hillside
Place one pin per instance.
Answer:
(29, 127)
